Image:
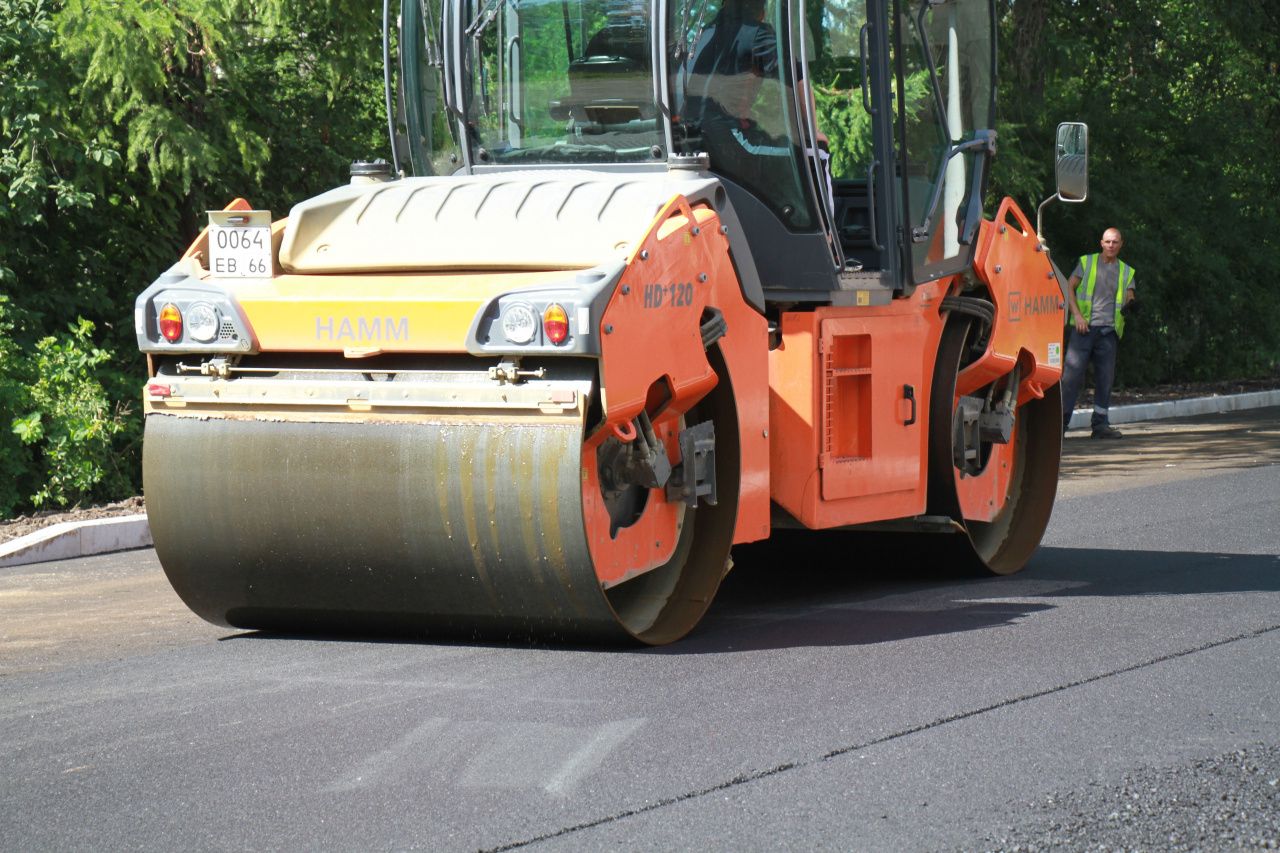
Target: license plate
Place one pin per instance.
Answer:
(240, 243)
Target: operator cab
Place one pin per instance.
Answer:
(853, 138)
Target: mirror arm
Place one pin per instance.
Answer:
(1040, 216)
(1044, 247)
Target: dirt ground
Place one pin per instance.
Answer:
(22, 525)
(1163, 451)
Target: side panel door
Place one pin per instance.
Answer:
(872, 423)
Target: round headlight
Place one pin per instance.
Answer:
(202, 322)
(519, 323)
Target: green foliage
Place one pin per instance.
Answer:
(48, 166)
(16, 458)
(60, 430)
(847, 124)
(121, 121)
(1183, 105)
(72, 422)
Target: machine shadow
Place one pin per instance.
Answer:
(1127, 573)
(846, 589)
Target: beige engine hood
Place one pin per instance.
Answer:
(510, 220)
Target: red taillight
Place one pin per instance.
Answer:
(555, 324)
(155, 389)
(171, 322)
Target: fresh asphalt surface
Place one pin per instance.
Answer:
(837, 697)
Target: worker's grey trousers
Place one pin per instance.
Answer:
(1098, 345)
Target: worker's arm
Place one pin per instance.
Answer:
(1082, 325)
(822, 141)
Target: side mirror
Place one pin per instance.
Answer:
(1071, 168)
(1072, 164)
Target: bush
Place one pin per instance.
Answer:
(61, 432)
(16, 458)
(120, 123)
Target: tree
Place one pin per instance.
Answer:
(1183, 107)
(121, 122)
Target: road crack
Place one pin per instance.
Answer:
(758, 775)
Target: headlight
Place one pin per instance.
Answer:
(519, 323)
(202, 322)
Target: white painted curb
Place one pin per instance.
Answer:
(77, 539)
(1179, 408)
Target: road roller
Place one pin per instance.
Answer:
(640, 281)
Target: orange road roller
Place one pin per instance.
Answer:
(641, 281)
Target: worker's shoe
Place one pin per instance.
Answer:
(1107, 432)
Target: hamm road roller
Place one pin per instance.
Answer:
(642, 280)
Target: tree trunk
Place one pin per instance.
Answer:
(1029, 19)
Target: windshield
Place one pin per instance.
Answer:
(946, 95)
(733, 97)
(425, 129)
(559, 81)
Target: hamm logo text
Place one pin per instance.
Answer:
(336, 329)
(1023, 306)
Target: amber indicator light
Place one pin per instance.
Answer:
(555, 324)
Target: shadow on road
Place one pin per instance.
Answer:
(835, 593)
(1126, 573)
(841, 589)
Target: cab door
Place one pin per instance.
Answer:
(945, 51)
(843, 48)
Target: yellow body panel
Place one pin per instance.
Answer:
(368, 314)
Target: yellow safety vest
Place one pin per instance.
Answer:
(1089, 263)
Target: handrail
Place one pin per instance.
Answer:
(386, 86)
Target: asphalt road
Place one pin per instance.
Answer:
(1124, 689)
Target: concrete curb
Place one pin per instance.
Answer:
(86, 538)
(77, 539)
(1192, 407)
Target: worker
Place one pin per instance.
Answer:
(1097, 315)
(732, 58)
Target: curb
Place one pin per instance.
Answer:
(72, 539)
(1192, 407)
(86, 538)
